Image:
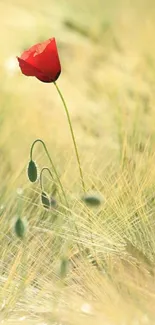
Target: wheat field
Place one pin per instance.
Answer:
(79, 263)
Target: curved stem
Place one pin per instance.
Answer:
(52, 164)
(57, 176)
(73, 136)
(41, 180)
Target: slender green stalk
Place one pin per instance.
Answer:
(52, 164)
(41, 178)
(57, 176)
(72, 134)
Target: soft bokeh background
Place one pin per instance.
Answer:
(107, 53)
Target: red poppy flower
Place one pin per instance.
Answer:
(41, 61)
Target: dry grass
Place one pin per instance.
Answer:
(108, 82)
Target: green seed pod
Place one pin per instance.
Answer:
(45, 200)
(92, 200)
(20, 228)
(32, 171)
(64, 265)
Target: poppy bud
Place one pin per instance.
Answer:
(45, 200)
(20, 228)
(92, 200)
(32, 171)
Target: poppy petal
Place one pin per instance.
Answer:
(48, 60)
(29, 70)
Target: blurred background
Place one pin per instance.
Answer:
(107, 52)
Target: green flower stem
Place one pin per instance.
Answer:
(73, 137)
(57, 176)
(41, 178)
(52, 164)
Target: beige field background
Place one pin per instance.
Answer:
(107, 53)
